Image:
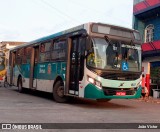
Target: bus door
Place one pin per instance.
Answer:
(33, 68)
(12, 65)
(75, 64)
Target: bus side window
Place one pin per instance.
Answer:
(24, 59)
(81, 50)
(82, 45)
(19, 56)
(10, 58)
(44, 54)
(28, 54)
(58, 50)
(36, 54)
(14, 59)
(42, 48)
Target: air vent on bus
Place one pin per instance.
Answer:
(119, 76)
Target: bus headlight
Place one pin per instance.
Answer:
(95, 82)
(91, 80)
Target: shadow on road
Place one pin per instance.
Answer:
(98, 105)
(37, 93)
(79, 102)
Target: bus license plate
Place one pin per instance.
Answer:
(121, 93)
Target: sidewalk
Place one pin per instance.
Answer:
(151, 100)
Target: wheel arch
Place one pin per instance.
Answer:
(58, 78)
(59, 92)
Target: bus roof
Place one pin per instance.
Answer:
(77, 28)
(80, 27)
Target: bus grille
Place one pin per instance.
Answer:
(116, 76)
(112, 91)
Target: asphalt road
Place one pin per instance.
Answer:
(38, 107)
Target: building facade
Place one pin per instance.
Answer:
(6, 45)
(4, 57)
(146, 19)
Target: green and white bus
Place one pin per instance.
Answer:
(94, 61)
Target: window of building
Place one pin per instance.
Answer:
(149, 33)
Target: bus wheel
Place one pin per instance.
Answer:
(20, 88)
(58, 92)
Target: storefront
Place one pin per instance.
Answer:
(146, 19)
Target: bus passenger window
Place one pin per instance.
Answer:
(45, 51)
(42, 57)
(28, 54)
(19, 56)
(36, 54)
(24, 58)
(58, 51)
(42, 48)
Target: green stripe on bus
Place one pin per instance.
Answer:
(92, 92)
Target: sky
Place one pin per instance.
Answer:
(27, 20)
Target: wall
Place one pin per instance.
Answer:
(137, 1)
(140, 26)
(146, 66)
(156, 23)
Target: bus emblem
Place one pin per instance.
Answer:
(121, 85)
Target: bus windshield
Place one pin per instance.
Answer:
(114, 55)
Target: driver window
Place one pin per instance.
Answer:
(91, 57)
(114, 56)
(132, 55)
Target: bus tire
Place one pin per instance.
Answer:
(58, 92)
(20, 88)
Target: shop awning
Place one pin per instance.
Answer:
(145, 6)
(151, 46)
(151, 49)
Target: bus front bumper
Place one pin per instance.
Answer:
(92, 92)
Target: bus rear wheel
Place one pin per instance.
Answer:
(20, 88)
(58, 92)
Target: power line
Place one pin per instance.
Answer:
(83, 13)
(59, 11)
(97, 11)
(62, 13)
(62, 25)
